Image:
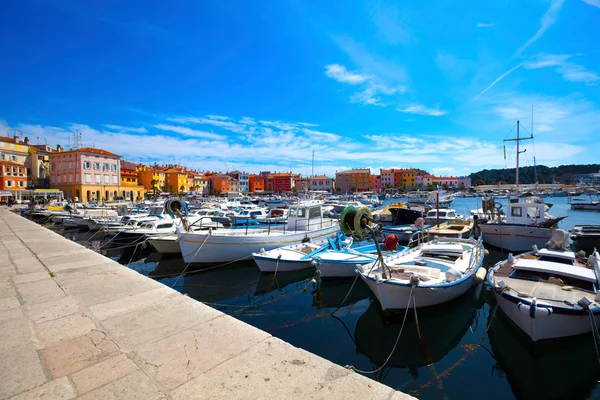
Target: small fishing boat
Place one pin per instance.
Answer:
(549, 293)
(434, 273)
(456, 229)
(438, 216)
(586, 236)
(405, 232)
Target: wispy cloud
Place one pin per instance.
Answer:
(188, 131)
(126, 128)
(420, 109)
(391, 22)
(491, 85)
(217, 117)
(595, 3)
(484, 25)
(341, 74)
(561, 62)
(547, 20)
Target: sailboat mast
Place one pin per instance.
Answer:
(517, 172)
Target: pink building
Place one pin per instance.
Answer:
(375, 183)
(387, 178)
(443, 180)
(87, 174)
(321, 182)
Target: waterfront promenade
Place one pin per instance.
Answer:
(75, 324)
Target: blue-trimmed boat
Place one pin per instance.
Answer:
(549, 293)
(433, 273)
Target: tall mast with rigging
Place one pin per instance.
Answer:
(518, 140)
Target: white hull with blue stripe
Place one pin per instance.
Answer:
(435, 273)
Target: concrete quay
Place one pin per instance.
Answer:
(75, 324)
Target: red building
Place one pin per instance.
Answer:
(282, 182)
(13, 176)
(256, 183)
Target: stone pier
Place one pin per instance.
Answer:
(75, 324)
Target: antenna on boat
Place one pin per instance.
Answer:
(518, 140)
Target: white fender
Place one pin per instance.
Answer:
(534, 310)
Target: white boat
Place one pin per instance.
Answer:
(305, 223)
(548, 293)
(404, 232)
(165, 244)
(525, 225)
(435, 272)
(442, 215)
(250, 216)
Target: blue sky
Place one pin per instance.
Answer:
(259, 85)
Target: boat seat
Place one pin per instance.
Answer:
(413, 269)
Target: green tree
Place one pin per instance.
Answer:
(153, 183)
(181, 189)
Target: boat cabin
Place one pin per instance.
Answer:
(443, 213)
(525, 213)
(305, 217)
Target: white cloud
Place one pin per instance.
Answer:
(217, 117)
(125, 128)
(491, 85)
(484, 25)
(188, 131)
(547, 20)
(569, 70)
(420, 109)
(341, 74)
(595, 3)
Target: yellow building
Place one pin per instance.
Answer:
(405, 178)
(176, 181)
(353, 180)
(130, 188)
(201, 184)
(146, 176)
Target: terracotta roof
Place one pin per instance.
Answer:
(12, 163)
(358, 171)
(89, 150)
(127, 165)
(7, 139)
(321, 177)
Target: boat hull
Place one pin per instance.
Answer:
(218, 248)
(553, 326)
(395, 296)
(514, 237)
(270, 264)
(165, 246)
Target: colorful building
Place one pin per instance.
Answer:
(222, 183)
(176, 180)
(464, 181)
(241, 178)
(301, 184)
(353, 180)
(151, 178)
(449, 181)
(281, 182)
(201, 184)
(256, 183)
(375, 183)
(38, 165)
(87, 174)
(322, 182)
(130, 188)
(387, 178)
(13, 179)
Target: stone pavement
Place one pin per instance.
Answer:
(75, 324)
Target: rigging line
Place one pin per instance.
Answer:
(509, 132)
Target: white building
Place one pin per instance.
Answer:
(321, 182)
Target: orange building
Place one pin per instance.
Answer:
(353, 180)
(222, 183)
(13, 176)
(256, 183)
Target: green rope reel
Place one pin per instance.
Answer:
(355, 221)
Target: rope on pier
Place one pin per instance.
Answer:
(410, 298)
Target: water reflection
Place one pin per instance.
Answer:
(441, 327)
(564, 369)
(331, 293)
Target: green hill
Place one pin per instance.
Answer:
(562, 174)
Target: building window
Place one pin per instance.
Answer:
(9, 183)
(115, 179)
(58, 179)
(106, 179)
(114, 167)
(88, 178)
(96, 165)
(70, 165)
(13, 158)
(106, 167)
(97, 177)
(71, 178)
(86, 165)
(22, 183)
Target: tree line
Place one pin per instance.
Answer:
(565, 174)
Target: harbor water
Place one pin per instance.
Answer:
(468, 348)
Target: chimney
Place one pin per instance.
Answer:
(26, 140)
(59, 148)
(17, 139)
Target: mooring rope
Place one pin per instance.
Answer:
(191, 260)
(410, 298)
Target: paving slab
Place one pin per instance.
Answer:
(42, 312)
(134, 386)
(20, 370)
(59, 389)
(7, 270)
(177, 359)
(39, 291)
(70, 356)
(6, 288)
(102, 373)
(15, 332)
(130, 303)
(28, 264)
(69, 327)
(7, 303)
(31, 277)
